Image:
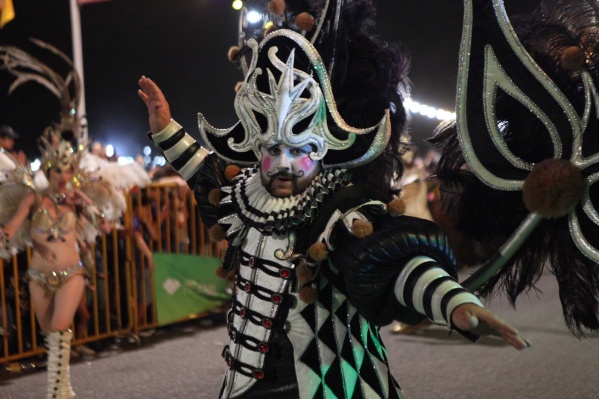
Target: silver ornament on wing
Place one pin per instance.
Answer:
(496, 77)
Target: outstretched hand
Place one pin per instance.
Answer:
(158, 108)
(481, 321)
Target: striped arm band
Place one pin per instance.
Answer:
(424, 286)
(180, 149)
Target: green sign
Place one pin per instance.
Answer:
(185, 285)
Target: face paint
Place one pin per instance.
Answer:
(287, 171)
(306, 163)
(266, 162)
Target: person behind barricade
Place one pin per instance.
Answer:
(180, 218)
(174, 209)
(8, 139)
(15, 286)
(320, 251)
(144, 232)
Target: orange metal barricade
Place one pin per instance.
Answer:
(120, 292)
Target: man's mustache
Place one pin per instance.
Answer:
(285, 175)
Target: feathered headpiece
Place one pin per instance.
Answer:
(527, 128)
(67, 89)
(63, 143)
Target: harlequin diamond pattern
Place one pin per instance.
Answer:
(346, 358)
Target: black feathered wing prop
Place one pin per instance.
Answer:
(496, 68)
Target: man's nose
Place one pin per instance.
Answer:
(284, 162)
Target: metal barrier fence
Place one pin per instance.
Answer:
(119, 297)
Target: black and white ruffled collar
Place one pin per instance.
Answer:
(254, 206)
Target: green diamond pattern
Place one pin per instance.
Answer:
(346, 353)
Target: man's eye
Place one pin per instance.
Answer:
(274, 151)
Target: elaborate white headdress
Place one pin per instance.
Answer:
(287, 98)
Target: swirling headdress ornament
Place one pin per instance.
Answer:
(314, 74)
(287, 99)
(528, 126)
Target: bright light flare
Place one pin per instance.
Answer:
(159, 160)
(237, 5)
(125, 160)
(109, 150)
(253, 16)
(35, 165)
(416, 108)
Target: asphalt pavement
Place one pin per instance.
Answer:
(184, 361)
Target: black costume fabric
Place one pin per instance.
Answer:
(281, 344)
(355, 297)
(555, 28)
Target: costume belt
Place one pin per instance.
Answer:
(52, 281)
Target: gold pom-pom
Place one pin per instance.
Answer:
(553, 188)
(308, 294)
(217, 233)
(238, 86)
(231, 171)
(361, 228)
(270, 28)
(572, 58)
(397, 207)
(276, 7)
(233, 53)
(304, 273)
(305, 21)
(214, 197)
(318, 251)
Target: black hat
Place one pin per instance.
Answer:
(7, 131)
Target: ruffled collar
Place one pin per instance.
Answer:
(255, 206)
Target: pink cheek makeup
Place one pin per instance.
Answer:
(266, 163)
(306, 163)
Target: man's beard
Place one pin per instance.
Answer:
(296, 187)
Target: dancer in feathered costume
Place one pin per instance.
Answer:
(319, 249)
(525, 147)
(56, 212)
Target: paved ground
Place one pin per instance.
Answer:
(184, 362)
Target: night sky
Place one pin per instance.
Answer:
(182, 45)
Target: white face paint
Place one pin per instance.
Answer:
(286, 170)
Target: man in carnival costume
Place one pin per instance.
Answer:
(319, 248)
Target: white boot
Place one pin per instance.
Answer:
(59, 352)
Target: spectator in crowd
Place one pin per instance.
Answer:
(8, 139)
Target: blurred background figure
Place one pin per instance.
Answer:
(98, 149)
(8, 139)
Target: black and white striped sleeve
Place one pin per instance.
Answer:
(181, 150)
(424, 286)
